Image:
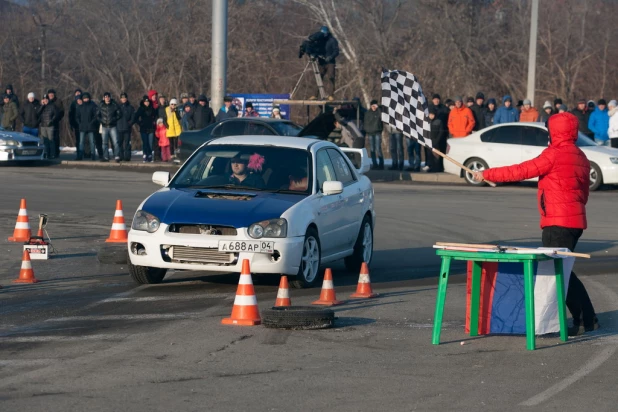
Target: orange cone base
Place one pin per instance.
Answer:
(364, 295)
(18, 239)
(241, 322)
(328, 302)
(283, 302)
(110, 240)
(25, 281)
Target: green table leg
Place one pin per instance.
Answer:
(561, 297)
(529, 291)
(442, 284)
(475, 297)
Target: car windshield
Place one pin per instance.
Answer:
(583, 140)
(286, 128)
(247, 167)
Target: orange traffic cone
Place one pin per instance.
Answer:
(118, 233)
(327, 296)
(245, 311)
(26, 274)
(283, 294)
(363, 289)
(22, 231)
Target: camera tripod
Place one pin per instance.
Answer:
(318, 78)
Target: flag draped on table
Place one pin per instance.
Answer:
(404, 105)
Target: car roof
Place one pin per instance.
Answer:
(267, 140)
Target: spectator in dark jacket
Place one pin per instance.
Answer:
(108, 116)
(442, 111)
(72, 115)
(583, 115)
(30, 115)
(145, 118)
(564, 176)
(48, 114)
(201, 116)
(547, 112)
(125, 127)
(327, 50)
(489, 112)
(11, 93)
(51, 93)
(557, 104)
(88, 125)
(228, 111)
(478, 110)
(249, 111)
(438, 134)
(10, 113)
(373, 129)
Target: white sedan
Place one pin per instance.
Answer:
(286, 204)
(510, 143)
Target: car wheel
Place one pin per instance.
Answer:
(596, 177)
(144, 275)
(363, 248)
(477, 165)
(309, 262)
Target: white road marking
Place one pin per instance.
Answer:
(144, 316)
(590, 365)
(59, 338)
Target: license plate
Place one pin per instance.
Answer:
(28, 152)
(251, 246)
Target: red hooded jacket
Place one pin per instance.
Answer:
(564, 175)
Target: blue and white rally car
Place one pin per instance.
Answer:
(286, 204)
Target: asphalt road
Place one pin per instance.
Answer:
(86, 337)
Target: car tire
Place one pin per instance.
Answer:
(596, 176)
(298, 318)
(112, 254)
(309, 267)
(144, 275)
(476, 165)
(361, 253)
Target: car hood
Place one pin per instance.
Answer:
(236, 208)
(21, 137)
(600, 150)
(321, 127)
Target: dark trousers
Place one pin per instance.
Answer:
(76, 133)
(327, 72)
(577, 298)
(613, 142)
(57, 140)
(124, 145)
(98, 142)
(173, 145)
(157, 150)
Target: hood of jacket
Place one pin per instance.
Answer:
(563, 128)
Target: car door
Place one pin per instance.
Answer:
(534, 141)
(331, 211)
(502, 145)
(352, 198)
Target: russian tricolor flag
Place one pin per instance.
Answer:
(502, 304)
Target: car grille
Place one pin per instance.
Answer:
(29, 144)
(188, 254)
(208, 230)
(19, 152)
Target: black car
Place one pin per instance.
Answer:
(320, 127)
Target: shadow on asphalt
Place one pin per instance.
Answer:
(344, 322)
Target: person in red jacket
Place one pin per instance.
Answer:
(564, 176)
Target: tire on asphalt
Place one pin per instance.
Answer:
(354, 262)
(300, 281)
(595, 170)
(113, 254)
(144, 275)
(298, 318)
(477, 165)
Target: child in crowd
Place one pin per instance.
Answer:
(164, 142)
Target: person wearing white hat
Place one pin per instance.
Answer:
(174, 127)
(276, 113)
(29, 114)
(612, 131)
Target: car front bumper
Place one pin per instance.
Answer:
(610, 173)
(200, 252)
(16, 153)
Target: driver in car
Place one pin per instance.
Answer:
(241, 176)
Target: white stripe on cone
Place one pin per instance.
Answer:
(22, 212)
(328, 284)
(242, 300)
(245, 280)
(22, 225)
(26, 264)
(119, 226)
(363, 278)
(283, 293)
(118, 213)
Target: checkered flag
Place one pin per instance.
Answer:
(404, 105)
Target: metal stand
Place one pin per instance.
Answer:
(318, 79)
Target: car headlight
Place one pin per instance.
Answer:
(269, 228)
(614, 160)
(145, 221)
(5, 142)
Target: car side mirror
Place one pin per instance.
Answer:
(332, 188)
(161, 178)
